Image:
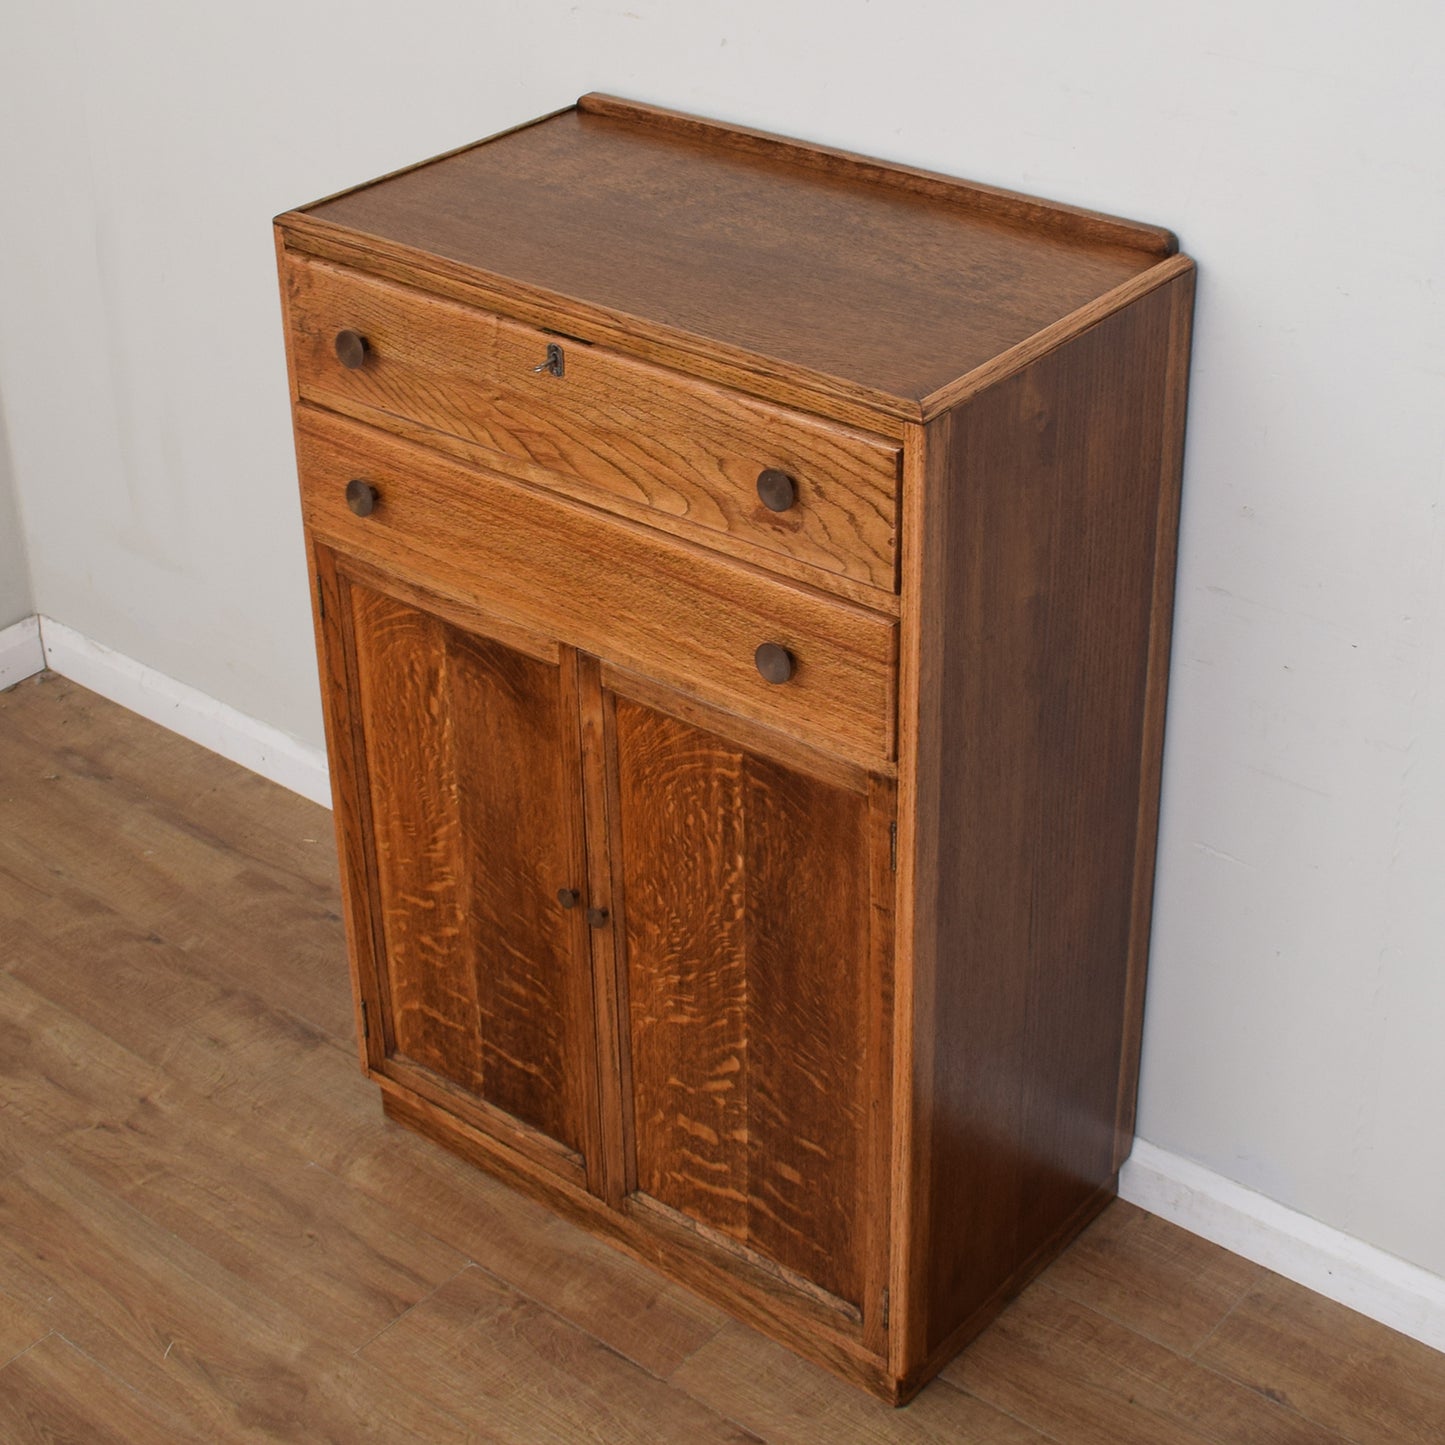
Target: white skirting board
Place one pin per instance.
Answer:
(184, 710)
(1336, 1265)
(1323, 1259)
(21, 654)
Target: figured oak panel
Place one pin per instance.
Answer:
(472, 806)
(746, 917)
(626, 431)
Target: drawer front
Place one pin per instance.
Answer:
(624, 593)
(612, 430)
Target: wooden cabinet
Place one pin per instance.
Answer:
(743, 577)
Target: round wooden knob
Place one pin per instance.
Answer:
(777, 491)
(775, 663)
(351, 349)
(568, 897)
(361, 497)
(597, 917)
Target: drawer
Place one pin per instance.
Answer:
(617, 432)
(625, 593)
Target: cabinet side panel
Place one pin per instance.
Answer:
(1054, 481)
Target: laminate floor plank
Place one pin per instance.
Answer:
(19, 1327)
(200, 1340)
(1152, 1277)
(1356, 1375)
(54, 1392)
(81, 836)
(57, 1075)
(208, 1230)
(145, 766)
(341, 1262)
(481, 1351)
(786, 1400)
(627, 1306)
(1079, 1377)
(222, 1042)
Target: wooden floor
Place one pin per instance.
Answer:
(207, 1231)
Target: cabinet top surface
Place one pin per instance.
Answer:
(893, 281)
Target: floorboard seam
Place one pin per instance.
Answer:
(416, 1304)
(5, 1364)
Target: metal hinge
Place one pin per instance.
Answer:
(365, 1021)
(893, 846)
(320, 600)
(885, 1309)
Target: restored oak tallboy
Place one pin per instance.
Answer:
(743, 579)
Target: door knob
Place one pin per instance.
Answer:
(351, 349)
(361, 497)
(776, 490)
(568, 897)
(775, 663)
(597, 917)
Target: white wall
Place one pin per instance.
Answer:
(1298, 995)
(15, 596)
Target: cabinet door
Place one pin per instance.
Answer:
(466, 767)
(754, 901)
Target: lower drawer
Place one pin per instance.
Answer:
(620, 591)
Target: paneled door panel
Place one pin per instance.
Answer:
(469, 774)
(748, 900)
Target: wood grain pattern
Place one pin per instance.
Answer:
(1338, 1369)
(181, 1161)
(1019, 357)
(609, 430)
(487, 1355)
(351, 801)
(179, 1326)
(1153, 1278)
(52, 1088)
(1033, 211)
(915, 961)
(53, 1392)
(850, 276)
(628, 596)
(19, 1329)
(876, 1154)
(747, 932)
(785, 384)
(754, 737)
(1047, 491)
(1076, 1376)
(792, 1402)
(615, 1177)
(725, 543)
(465, 758)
